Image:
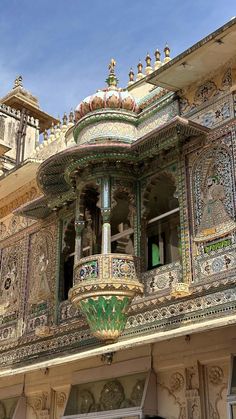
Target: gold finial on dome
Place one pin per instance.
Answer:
(45, 135)
(18, 82)
(167, 54)
(52, 129)
(111, 66)
(112, 80)
(71, 117)
(148, 60)
(131, 77)
(157, 63)
(148, 68)
(64, 119)
(140, 74)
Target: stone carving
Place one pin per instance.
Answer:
(41, 291)
(9, 297)
(213, 195)
(161, 278)
(205, 92)
(195, 411)
(227, 79)
(192, 392)
(213, 413)
(215, 375)
(2, 229)
(11, 267)
(137, 392)
(215, 114)
(176, 382)
(119, 130)
(215, 265)
(112, 395)
(26, 195)
(41, 259)
(215, 220)
(39, 405)
(13, 224)
(177, 400)
(86, 401)
(157, 119)
(191, 378)
(68, 311)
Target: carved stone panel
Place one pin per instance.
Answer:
(38, 406)
(11, 272)
(41, 279)
(171, 394)
(212, 194)
(216, 381)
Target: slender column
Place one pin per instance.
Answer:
(181, 288)
(79, 226)
(137, 220)
(106, 215)
(184, 227)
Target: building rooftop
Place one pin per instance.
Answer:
(197, 61)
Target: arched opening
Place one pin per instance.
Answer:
(122, 224)
(162, 222)
(92, 232)
(67, 257)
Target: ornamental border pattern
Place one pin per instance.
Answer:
(166, 317)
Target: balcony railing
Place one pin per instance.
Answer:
(104, 286)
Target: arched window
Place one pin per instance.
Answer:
(162, 222)
(122, 224)
(67, 257)
(92, 232)
(91, 237)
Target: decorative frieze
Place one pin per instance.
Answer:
(16, 199)
(160, 279)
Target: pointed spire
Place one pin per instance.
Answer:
(157, 63)
(71, 116)
(140, 74)
(112, 80)
(167, 54)
(148, 60)
(148, 68)
(131, 77)
(45, 135)
(52, 130)
(64, 119)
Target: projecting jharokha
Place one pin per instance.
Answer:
(117, 244)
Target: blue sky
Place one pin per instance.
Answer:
(62, 47)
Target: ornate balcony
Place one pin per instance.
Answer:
(104, 286)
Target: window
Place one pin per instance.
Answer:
(67, 257)
(162, 222)
(126, 397)
(92, 232)
(122, 224)
(91, 237)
